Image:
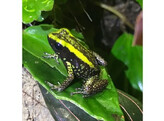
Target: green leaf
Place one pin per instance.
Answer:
(140, 2)
(131, 56)
(102, 106)
(76, 34)
(35, 42)
(65, 109)
(131, 106)
(32, 9)
(40, 18)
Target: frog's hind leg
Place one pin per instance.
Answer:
(63, 85)
(92, 86)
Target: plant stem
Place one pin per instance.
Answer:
(117, 13)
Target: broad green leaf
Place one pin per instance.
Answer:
(140, 2)
(65, 109)
(35, 42)
(131, 107)
(32, 9)
(131, 56)
(102, 106)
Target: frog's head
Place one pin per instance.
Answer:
(62, 42)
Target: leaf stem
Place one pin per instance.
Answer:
(116, 12)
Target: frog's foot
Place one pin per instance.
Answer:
(77, 92)
(54, 56)
(81, 92)
(91, 88)
(79, 89)
(55, 87)
(64, 84)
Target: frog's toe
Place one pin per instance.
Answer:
(79, 89)
(55, 87)
(58, 87)
(78, 92)
(46, 55)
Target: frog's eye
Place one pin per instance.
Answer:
(55, 45)
(58, 46)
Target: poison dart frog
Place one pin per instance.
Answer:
(79, 61)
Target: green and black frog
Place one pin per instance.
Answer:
(79, 61)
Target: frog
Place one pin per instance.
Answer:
(80, 62)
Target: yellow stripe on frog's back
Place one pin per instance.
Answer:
(72, 49)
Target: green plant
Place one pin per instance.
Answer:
(49, 15)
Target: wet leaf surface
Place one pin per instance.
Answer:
(31, 9)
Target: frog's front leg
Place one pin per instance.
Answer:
(54, 56)
(99, 59)
(66, 82)
(92, 86)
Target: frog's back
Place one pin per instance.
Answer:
(84, 54)
(80, 68)
(83, 61)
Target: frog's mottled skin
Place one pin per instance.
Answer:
(80, 62)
